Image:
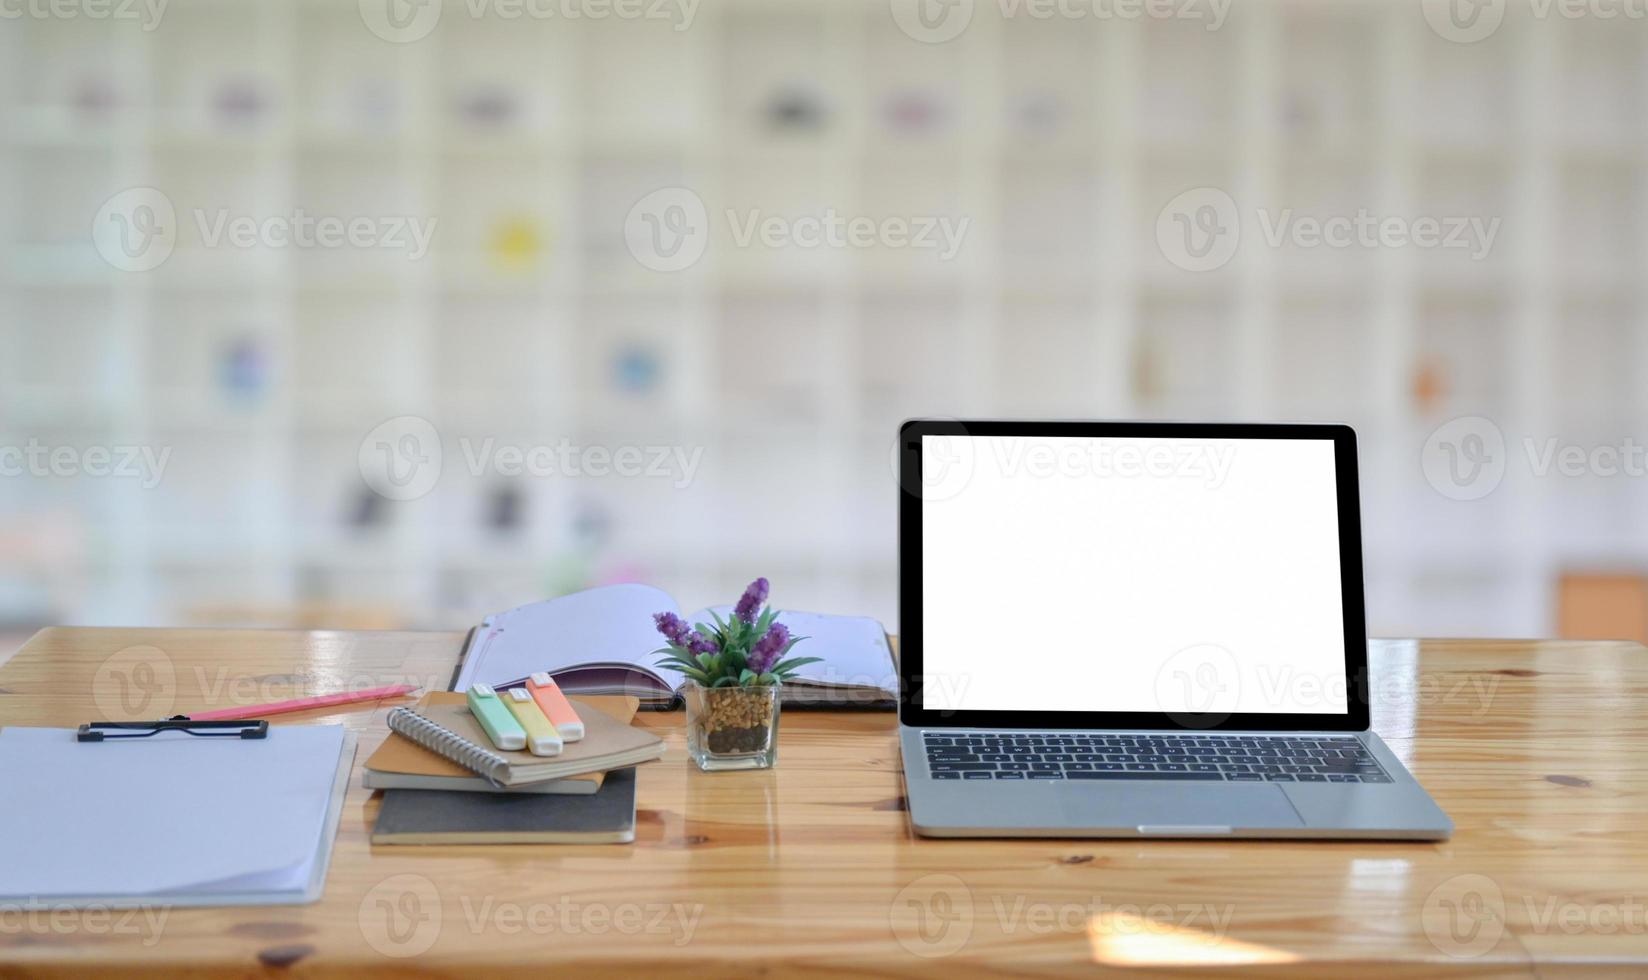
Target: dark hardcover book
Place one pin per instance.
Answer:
(423, 816)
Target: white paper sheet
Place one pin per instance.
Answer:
(169, 818)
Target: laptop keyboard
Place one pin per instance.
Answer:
(1086, 755)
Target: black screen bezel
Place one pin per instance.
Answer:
(911, 711)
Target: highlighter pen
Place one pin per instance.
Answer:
(501, 727)
(541, 738)
(555, 706)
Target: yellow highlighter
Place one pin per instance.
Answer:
(541, 737)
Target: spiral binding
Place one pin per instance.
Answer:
(443, 741)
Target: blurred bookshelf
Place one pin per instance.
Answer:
(529, 322)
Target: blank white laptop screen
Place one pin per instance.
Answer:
(1131, 574)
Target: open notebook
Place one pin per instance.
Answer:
(602, 641)
(173, 820)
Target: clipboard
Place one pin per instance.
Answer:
(169, 817)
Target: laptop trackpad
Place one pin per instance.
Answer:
(1176, 809)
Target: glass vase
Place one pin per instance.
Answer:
(732, 727)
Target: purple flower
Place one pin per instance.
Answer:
(675, 629)
(750, 603)
(703, 644)
(766, 650)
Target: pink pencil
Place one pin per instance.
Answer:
(304, 704)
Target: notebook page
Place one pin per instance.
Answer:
(612, 624)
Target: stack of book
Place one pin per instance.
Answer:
(444, 781)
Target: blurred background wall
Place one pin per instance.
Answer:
(338, 314)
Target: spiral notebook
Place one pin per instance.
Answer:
(449, 730)
(400, 763)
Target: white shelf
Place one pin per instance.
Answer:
(530, 322)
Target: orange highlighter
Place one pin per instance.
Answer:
(555, 706)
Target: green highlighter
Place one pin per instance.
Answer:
(501, 727)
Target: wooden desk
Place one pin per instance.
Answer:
(1537, 750)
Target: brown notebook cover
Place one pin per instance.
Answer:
(399, 755)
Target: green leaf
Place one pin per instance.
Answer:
(725, 682)
(795, 662)
(769, 678)
(685, 668)
(719, 622)
(746, 676)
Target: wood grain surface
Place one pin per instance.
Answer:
(1536, 749)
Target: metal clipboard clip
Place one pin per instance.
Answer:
(100, 731)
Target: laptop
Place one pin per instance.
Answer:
(1139, 629)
